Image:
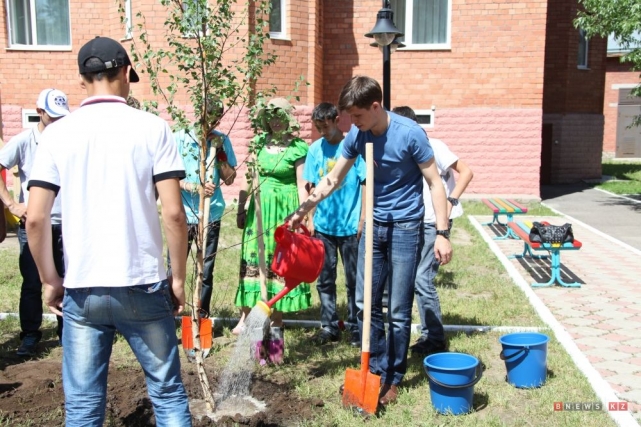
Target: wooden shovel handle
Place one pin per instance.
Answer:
(369, 243)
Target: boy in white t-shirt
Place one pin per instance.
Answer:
(107, 160)
(432, 339)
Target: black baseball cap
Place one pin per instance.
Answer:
(109, 52)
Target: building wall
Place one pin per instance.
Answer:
(616, 74)
(490, 83)
(493, 70)
(572, 98)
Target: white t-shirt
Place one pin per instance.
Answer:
(444, 159)
(105, 158)
(21, 151)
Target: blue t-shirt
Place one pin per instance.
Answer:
(338, 215)
(190, 153)
(398, 181)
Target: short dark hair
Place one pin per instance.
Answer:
(360, 92)
(405, 111)
(325, 111)
(109, 74)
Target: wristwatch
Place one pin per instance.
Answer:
(453, 201)
(444, 233)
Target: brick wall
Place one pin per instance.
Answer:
(567, 88)
(501, 146)
(495, 68)
(496, 59)
(616, 74)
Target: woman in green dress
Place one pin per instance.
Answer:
(280, 164)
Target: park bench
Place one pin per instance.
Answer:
(522, 230)
(506, 207)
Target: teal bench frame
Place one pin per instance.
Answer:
(522, 231)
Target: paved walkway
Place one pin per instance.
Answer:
(603, 316)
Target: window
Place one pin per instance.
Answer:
(277, 15)
(425, 118)
(128, 20)
(425, 23)
(582, 60)
(39, 23)
(30, 118)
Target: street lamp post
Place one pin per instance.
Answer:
(385, 33)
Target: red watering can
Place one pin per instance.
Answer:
(298, 258)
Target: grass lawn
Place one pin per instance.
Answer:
(474, 289)
(628, 178)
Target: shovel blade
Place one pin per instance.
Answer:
(361, 390)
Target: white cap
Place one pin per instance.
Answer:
(53, 102)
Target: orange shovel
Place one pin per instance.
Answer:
(361, 387)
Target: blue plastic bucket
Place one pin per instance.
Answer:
(452, 377)
(525, 356)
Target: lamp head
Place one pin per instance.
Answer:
(393, 46)
(384, 32)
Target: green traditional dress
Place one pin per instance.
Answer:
(278, 199)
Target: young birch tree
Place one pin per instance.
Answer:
(214, 50)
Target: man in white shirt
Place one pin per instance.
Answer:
(106, 160)
(432, 339)
(20, 151)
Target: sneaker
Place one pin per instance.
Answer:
(28, 346)
(324, 336)
(424, 347)
(355, 339)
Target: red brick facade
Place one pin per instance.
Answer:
(509, 67)
(572, 100)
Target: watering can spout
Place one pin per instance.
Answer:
(289, 285)
(266, 308)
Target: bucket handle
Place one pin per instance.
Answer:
(504, 357)
(478, 373)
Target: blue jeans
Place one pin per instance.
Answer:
(429, 306)
(31, 290)
(144, 316)
(213, 233)
(396, 251)
(326, 285)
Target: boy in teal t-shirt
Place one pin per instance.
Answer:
(337, 221)
(223, 171)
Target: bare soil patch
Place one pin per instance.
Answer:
(31, 392)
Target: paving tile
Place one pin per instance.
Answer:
(586, 331)
(579, 321)
(593, 343)
(615, 314)
(606, 326)
(633, 350)
(607, 354)
(633, 395)
(620, 367)
(620, 335)
(635, 360)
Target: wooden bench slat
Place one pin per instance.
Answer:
(505, 207)
(517, 205)
(490, 205)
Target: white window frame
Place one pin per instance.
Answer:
(34, 31)
(582, 63)
(409, 19)
(281, 35)
(129, 33)
(26, 123)
(429, 113)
